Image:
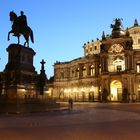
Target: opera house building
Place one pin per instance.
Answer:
(108, 71)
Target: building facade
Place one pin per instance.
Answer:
(108, 71)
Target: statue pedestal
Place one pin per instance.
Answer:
(20, 58)
(19, 73)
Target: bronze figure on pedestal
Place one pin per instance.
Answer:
(20, 27)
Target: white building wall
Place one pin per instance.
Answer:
(135, 34)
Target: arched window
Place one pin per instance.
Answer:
(92, 70)
(61, 75)
(72, 73)
(84, 71)
(77, 72)
(100, 69)
(138, 67)
(116, 90)
(116, 63)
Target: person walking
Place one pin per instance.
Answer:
(70, 103)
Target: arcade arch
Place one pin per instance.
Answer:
(116, 90)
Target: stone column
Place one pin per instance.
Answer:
(97, 67)
(131, 62)
(105, 64)
(88, 69)
(126, 62)
(102, 64)
(80, 71)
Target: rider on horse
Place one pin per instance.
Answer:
(22, 20)
(20, 27)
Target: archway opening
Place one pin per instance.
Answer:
(116, 90)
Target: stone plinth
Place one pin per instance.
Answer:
(19, 73)
(20, 58)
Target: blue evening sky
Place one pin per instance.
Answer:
(61, 27)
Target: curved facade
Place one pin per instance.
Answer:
(108, 71)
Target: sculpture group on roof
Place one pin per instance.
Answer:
(117, 23)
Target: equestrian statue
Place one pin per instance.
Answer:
(117, 24)
(20, 27)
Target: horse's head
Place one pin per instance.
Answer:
(13, 16)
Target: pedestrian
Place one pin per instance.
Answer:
(70, 103)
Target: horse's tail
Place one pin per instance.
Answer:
(32, 36)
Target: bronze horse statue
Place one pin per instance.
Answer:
(18, 29)
(118, 23)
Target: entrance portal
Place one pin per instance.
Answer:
(116, 90)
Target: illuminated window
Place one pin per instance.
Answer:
(99, 69)
(116, 90)
(77, 72)
(116, 64)
(92, 70)
(84, 71)
(138, 68)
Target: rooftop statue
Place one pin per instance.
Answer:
(20, 27)
(117, 28)
(117, 24)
